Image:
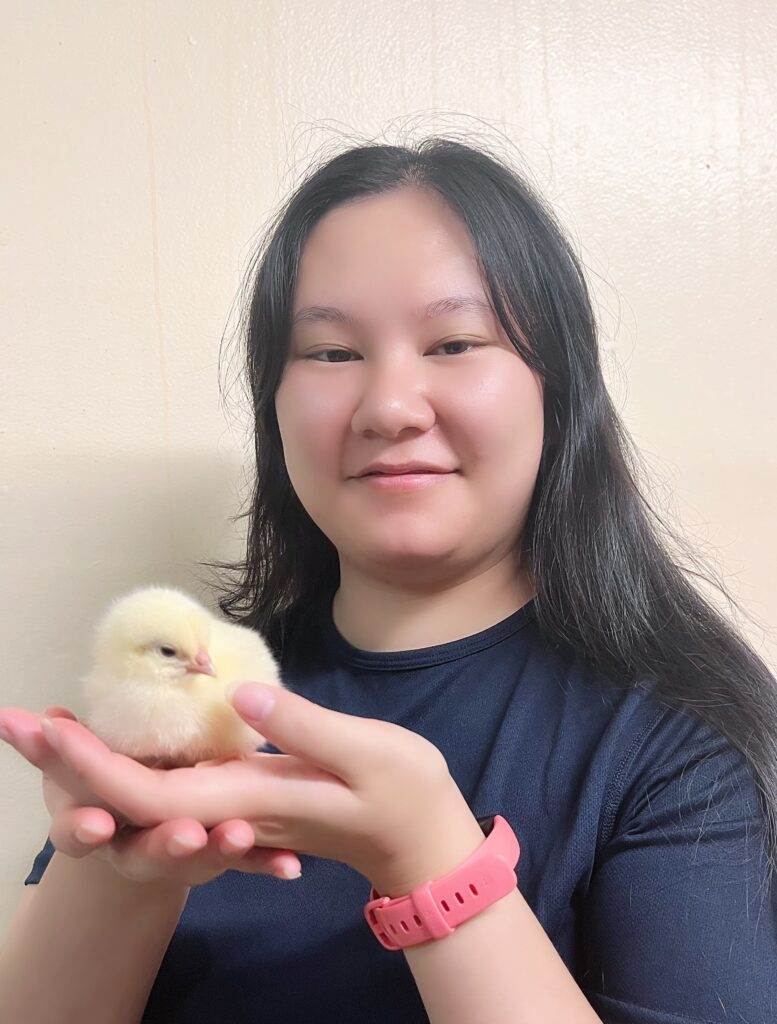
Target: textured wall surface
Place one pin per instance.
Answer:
(145, 144)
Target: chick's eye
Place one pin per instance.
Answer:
(169, 652)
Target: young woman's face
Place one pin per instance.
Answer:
(450, 390)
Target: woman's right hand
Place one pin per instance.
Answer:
(180, 851)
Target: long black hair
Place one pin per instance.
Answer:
(608, 590)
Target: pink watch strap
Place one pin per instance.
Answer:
(434, 909)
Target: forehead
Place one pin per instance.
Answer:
(403, 256)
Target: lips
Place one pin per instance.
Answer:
(386, 468)
(408, 480)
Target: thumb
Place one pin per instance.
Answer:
(341, 744)
(254, 702)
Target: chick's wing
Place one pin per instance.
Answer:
(242, 654)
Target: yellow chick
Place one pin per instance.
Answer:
(162, 666)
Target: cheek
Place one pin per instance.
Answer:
(509, 441)
(308, 421)
(503, 416)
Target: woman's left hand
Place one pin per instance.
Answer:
(371, 794)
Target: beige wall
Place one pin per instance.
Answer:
(144, 144)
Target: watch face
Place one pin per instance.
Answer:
(486, 823)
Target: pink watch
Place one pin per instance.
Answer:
(434, 909)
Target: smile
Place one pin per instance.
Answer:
(402, 481)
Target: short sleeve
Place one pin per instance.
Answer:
(678, 923)
(40, 863)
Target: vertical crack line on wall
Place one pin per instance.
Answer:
(154, 225)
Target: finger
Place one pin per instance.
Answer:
(122, 783)
(77, 831)
(262, 860)
(340, 743)
(55, 711)
(27, 737)
(280, 786)
(232, 838)
(149, 853)
(21, 728)
(235, 841)
(176, 849)
(182, 849)
(266, 861)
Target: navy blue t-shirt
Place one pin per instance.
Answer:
(640, 837)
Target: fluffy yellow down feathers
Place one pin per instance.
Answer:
(161, 671)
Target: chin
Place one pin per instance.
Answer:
(400, 552)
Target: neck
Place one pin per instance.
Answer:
(377, 616)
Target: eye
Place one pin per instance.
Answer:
(323, 351)
(458, 341)
(168, 652)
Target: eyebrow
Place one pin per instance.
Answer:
(449, 304)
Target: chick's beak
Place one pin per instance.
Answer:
(202, 664)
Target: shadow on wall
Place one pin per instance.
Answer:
(90, 527)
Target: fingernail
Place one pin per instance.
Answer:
(183, 844)
(5, 733)
(233, 842)
(252, 702)
(87, 834)
(48, 730)
(289, 872)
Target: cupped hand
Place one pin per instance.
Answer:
(363, 791)
(178, 850)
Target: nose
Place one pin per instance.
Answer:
(393, 397)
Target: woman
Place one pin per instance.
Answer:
(503, 634)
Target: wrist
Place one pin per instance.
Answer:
(108, 878)
(447, 836)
